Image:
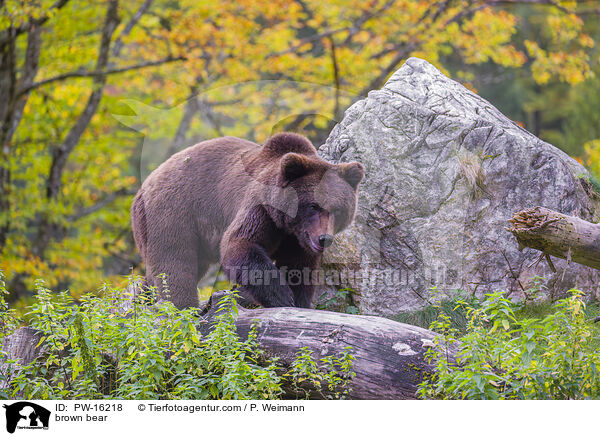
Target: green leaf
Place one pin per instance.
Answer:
(530, 346)
(41, 341)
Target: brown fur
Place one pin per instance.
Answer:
(252, 208)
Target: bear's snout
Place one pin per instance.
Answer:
(325, 240)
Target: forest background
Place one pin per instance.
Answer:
(94, 94)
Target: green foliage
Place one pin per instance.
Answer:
(455, 314)
(7, 315)
(339, 373)
(592, 160)
(502, 357)
(306, 375)
(102, 349)
(7, 325)
(342, 301)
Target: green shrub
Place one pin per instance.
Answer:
(342, 301)
(97, 349)
(456, 314)
(500, 356)
(307, 376)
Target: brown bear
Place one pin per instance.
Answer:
(261, 211)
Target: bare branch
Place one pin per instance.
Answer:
(358, 24)
(8, 85)
(550, 3)
(336, 79)
(30, 69)
(8, 88)
(309, 39)
(100, 204)
(190, 109)
(118, 45)
(100, 73)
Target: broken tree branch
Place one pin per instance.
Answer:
(558, 235)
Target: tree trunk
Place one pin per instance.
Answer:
(20, 346)
(60, 155)
(389, 356)
(559, 235)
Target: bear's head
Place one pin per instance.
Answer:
(326, 193)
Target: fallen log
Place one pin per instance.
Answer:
(389, 356)
(558, 235)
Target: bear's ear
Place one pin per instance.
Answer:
(293, 166)
(352, 173)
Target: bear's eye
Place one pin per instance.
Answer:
(314, 207)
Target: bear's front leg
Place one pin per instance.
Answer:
(245, 259)
(247, 264)
(303, 294)
(298, 268)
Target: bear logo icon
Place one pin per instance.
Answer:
(27, 415)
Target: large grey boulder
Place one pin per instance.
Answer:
(445, 171)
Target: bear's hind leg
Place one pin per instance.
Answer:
(179, 269)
